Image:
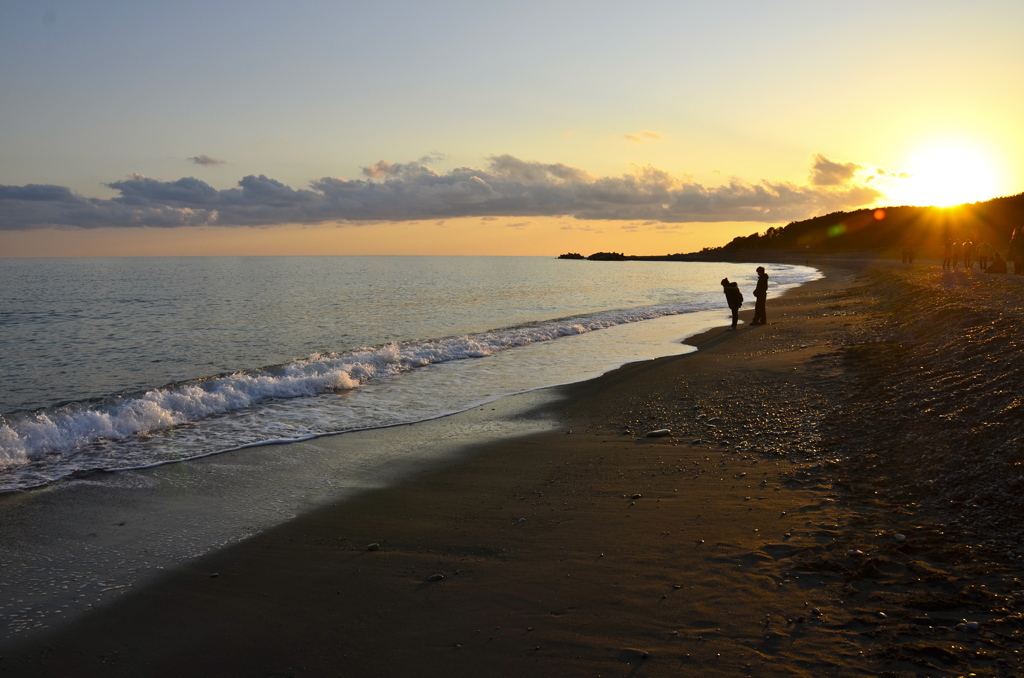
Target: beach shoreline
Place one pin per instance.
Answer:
(745, 543)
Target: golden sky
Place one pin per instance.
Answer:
(222, 128)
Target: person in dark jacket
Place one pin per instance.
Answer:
(734, 298)
(998, 264)
(760, 294)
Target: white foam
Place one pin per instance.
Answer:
(49, 444)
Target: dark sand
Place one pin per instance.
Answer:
(840, 492)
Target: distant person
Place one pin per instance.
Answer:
(984, 255)
(760, 294)
(998, 264)
(947, 254)
(1016, 251)
(968, 248)
(956, 252)
(734, 298)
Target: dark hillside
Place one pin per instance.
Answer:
(991, 221)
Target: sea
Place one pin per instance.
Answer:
(109, 366)
(129, 362)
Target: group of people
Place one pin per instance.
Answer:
(988, 258)
(952, 252)
(734, 298)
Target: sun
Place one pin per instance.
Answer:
(946, 176)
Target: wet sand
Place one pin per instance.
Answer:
(838, 497)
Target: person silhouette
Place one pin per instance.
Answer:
(998, 264)
(1015, 252)
(968, 254)
(734, 298)
(985, 251)
(760, 294)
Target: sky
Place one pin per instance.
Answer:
(532, 128)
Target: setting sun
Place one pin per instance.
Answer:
(947, 176)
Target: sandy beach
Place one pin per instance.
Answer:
(839, 495)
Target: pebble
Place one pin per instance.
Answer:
(372, 547)
(435, 577)
(636, 496)
(855, 553)
(900, 537)
(659, 433)
(521, 520)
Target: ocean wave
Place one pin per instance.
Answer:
(76, 427)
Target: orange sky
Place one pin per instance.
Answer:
(237, 128)
(530, 237)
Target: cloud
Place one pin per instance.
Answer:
(824, 172)
(894, 175)
(206, 160)
(643, 135)
(507, 187)
(583, 227)
(434, 157)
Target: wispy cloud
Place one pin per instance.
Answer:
(206, 160)
(583, 227)
(506, 187)
(643, 135)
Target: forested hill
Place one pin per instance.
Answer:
(991, 221)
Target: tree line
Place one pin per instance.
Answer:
(991, 221)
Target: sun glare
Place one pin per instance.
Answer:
(944, 177)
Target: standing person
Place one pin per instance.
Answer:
(1015, 253)
(984, 254)
(968, 253)
(734, 298)
(760, 294)
(947, 254)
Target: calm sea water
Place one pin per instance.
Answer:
(126, 363)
